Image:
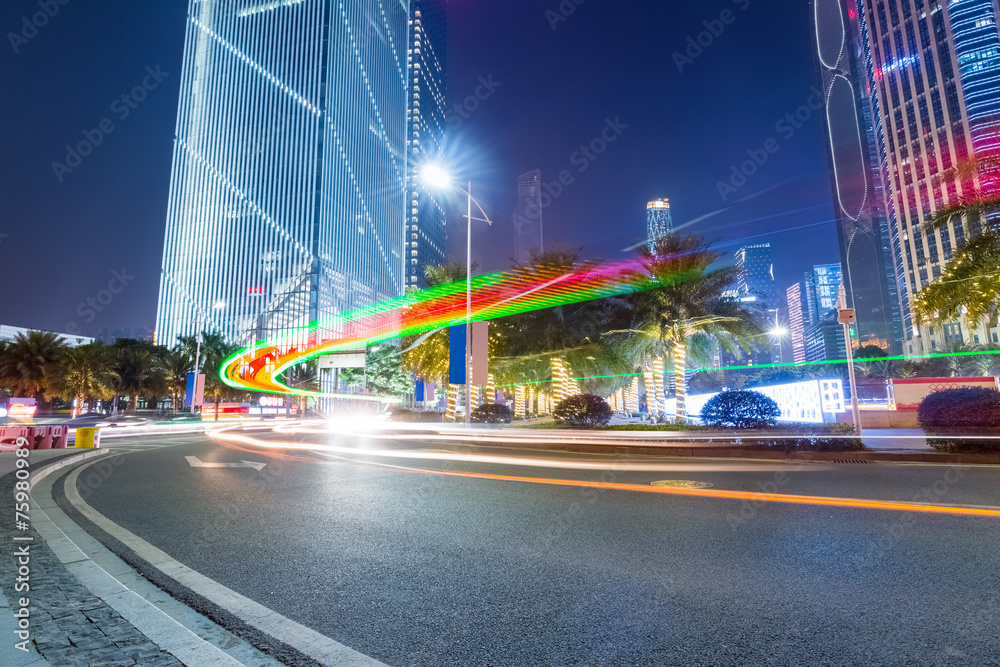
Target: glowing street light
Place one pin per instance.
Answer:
(436, 177)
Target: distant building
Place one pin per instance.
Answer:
(9, 333)
(427, 225)
(528, 219)
(824, 340)
(809, 301)
(658, 221)
(756, 273)
(798, 313)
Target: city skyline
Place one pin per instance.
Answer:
(590, 213)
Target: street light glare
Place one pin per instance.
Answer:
(435, 176)
(778, 331)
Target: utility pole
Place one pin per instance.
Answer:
(847, 317)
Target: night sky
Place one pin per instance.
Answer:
(557, 84)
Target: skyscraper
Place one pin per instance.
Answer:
(932, 74)
(528, 219)
(427, 230)
(658, 220)
(756, 274)
(810, 302)
(853, 130)
(288, 180)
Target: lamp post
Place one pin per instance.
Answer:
(438, 178)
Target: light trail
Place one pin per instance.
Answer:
(259, 367)
(235, 439)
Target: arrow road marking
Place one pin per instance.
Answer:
(198, 463)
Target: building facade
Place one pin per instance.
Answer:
(528, 218)
(427, 225)
(854, 132)
(932, 74)
(288, 181)
(757, 274)
(658, 221)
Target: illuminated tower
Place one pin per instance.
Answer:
(426, 228)
(658, 221)
(288, 181)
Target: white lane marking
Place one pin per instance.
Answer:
(198, 463)
(304, 639)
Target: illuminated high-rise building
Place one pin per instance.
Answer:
(853, 131)
(930, 81)
(288, 181)
(658, 221)
(426, 227)
(528, 219)
(810, 302)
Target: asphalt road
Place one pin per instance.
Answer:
(421, 569)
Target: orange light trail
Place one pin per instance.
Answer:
(225, 437)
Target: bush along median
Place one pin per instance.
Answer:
(964, 419)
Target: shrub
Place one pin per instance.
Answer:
(950, 414)
(492, 413)
(742, 409)
(584, 410)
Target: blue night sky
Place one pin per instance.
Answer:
(558, 80)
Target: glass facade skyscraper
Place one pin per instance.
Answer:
(932, 83)
(426, 226)
(658, 220)
(288, 181)
(853, 132)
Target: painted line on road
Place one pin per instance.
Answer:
(858, 503)
(303, 639)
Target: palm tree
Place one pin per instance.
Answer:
(969, 284)
(681, 311)
(176, 366)
(215, 350)
(138, 373)
(23, 366)
(83, 374)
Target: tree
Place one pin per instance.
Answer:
(680, 309)
(137, 373)
(83, 374)
(177, 364)
(302, 376)
(383, 374)
(215, 350)
(23, 366)
(969, 284)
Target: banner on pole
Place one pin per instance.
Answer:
(480, 353)
(456, 354)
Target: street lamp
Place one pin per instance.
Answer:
(847, 317)
(438, 178)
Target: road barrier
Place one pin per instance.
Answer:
(88, 438)
(37, 437)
